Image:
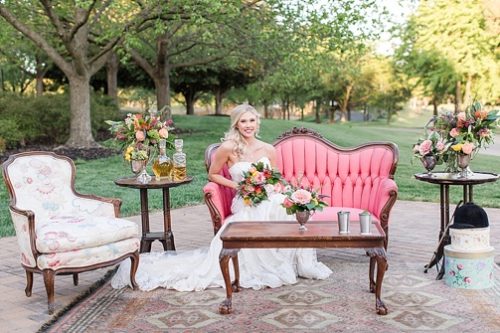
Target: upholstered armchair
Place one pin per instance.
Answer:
(353, 179)
(60, 231)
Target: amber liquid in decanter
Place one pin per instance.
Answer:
(179, 171)
(162, 166)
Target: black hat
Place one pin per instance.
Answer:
(469, 216)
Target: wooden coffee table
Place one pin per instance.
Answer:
(286, 234)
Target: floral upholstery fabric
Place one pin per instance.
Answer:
(88, 256)
(71, 231)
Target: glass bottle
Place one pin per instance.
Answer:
(162, 166)
(179, 160)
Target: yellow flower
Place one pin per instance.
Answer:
(247, 201)
(457, 147)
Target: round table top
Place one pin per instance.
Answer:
(152, 184)
(453, 178)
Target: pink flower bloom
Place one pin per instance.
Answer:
(460, 267)
(287, 203)
(440, 145)
(452, 273)
(467, 279)
(484, 133)
(425, 147)
(454, 132)
(468, 147)
(301, 196)
(259, 178)
(462, 116)
(140, 136)
(163, 133)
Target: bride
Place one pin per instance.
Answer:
(199, 269)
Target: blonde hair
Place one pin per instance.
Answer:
(234, 134)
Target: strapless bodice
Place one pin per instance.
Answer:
(237, 169)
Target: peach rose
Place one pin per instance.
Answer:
(163, 133)
(481, 114)
(454, 132)
(468, 147)
(287, 203)
(140, 136)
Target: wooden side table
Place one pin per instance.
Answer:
(166, 237)
(444, 180)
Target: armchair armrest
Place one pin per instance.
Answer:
(216, 198)
(106, 206)
(24, 224)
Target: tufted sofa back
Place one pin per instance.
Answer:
(349, 177)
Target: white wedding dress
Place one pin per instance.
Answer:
(199, 269)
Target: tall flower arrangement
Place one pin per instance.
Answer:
(463, 133)
(139, 134)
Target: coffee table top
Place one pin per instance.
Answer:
(286, 234)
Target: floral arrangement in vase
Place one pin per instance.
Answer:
(258, 182)
(462, 133)
(139, 134)
(302, 202)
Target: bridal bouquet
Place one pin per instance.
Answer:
(258, 182)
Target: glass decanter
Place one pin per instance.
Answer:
(179, 161)
(162, 166)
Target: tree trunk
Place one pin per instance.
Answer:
(468, 90)
(218, 101)
(317, 112)
(458, 96)
(190, 99)
(266, 109)
(80, 126)
(434, 106)
(112, 77)
(162, 86)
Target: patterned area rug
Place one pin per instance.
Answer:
(416, 302)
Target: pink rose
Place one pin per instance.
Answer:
(461, 116)
(467, 279)
(258, 177)
(454, 132)
(425, 147)
(163, 132)
(468, 147)
(140, 136)
(440, 145)
(460, 267)
(301, 196)
(287, 203)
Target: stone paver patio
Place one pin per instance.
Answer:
(192, 228)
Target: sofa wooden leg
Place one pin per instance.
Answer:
(133, 269)
(48, 279)
(75, 279)
(29, 283)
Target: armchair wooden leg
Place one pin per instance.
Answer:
(75, 279)
(48, 279)
(29, 283)
(133, 269)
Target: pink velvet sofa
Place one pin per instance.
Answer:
(353, 179)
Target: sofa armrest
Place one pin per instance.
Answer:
(217, 202)
(386, 198)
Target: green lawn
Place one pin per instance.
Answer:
(97, 176)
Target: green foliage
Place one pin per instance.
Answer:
(45, 119)
(97, 176)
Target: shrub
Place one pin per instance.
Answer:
(46, 119)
